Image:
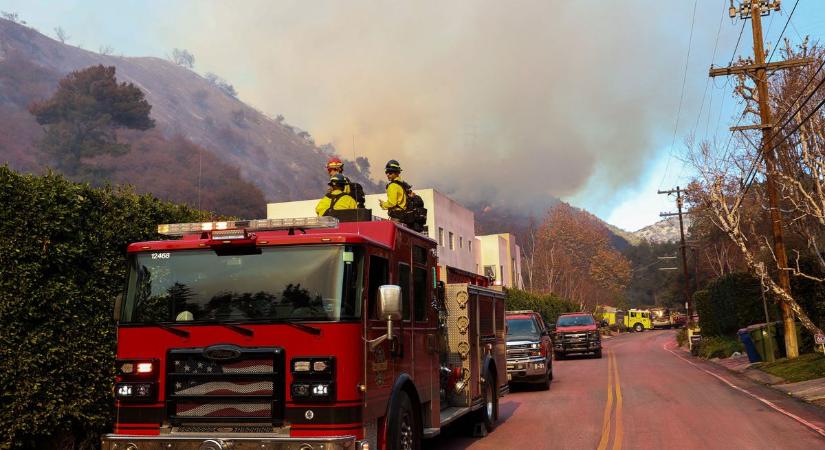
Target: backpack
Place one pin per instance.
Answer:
(333, 199)
(356, 191)
(415, 216)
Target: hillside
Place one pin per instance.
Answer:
(663, 231)
(280, 160)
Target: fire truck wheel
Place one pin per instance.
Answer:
(638, 327)
(489, 410)
(402, 426)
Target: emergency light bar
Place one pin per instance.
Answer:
(180, 229)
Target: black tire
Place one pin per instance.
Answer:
(551, 370)
(488, 414)
(544, 384)
(598, 354)
(559, 356)
(638, 327)
(402, 425)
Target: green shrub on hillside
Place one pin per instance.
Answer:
(549, 306)
(61, 266)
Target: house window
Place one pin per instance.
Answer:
(470, 246)
(441, 236)
(490, 272)
(452, 241)
(460, 242)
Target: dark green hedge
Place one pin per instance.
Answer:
(61, 266)
(731, 302)
(549, 306)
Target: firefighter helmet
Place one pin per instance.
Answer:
(335, 163)
(393, 166)
(337, 180)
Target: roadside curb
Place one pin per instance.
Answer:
(811, 425)
(809, 391)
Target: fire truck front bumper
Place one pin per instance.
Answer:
(212, 442)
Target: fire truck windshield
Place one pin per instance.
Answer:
(319, 283)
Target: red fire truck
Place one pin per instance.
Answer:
(300, 334)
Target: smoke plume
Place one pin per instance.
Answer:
(502, 101)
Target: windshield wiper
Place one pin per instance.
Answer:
(304, 327)
(173, 330)
(238, 329)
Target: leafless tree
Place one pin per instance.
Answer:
(8, 15)
(183, 57)
(106, 50)
(61, 34)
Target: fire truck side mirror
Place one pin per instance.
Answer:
(389, 302)
(118, 303)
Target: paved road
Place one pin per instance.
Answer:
(645, 395)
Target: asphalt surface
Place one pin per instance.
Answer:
(645, 394)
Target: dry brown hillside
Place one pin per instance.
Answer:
(280, 160)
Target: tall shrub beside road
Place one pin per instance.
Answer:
(61, 266)
(731, 302)
(548, 305)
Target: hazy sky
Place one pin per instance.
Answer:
(506, 101)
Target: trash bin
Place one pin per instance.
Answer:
(764, 337)
(750, 348)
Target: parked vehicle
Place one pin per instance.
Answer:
(638, 320)
(300, 333)
(660, 317)
(529, 349)
(614, 317)
(576, 333)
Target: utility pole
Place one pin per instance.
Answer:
(758, 71)
(682, 247)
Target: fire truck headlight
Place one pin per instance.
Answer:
(300, 390)
(134, 391)
(320, 390)
(300, 366)
(309, 365)
(137, 368)
(124, 390)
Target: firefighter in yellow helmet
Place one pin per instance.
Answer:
(336, 198)
(396, 202)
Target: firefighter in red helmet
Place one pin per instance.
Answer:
(336, 167)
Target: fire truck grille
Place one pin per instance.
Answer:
(219, 429)
(246, 387)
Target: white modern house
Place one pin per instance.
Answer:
(450, 224)
(500, 259)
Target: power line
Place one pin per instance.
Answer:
(787, 116)
(783, 31)
(712, 59)
(739, 39)
(682, 95)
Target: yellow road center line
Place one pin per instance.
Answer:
(607, 407)
(617, 439)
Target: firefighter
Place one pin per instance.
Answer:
(335, 198)
(396, 202)
(336, 167)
